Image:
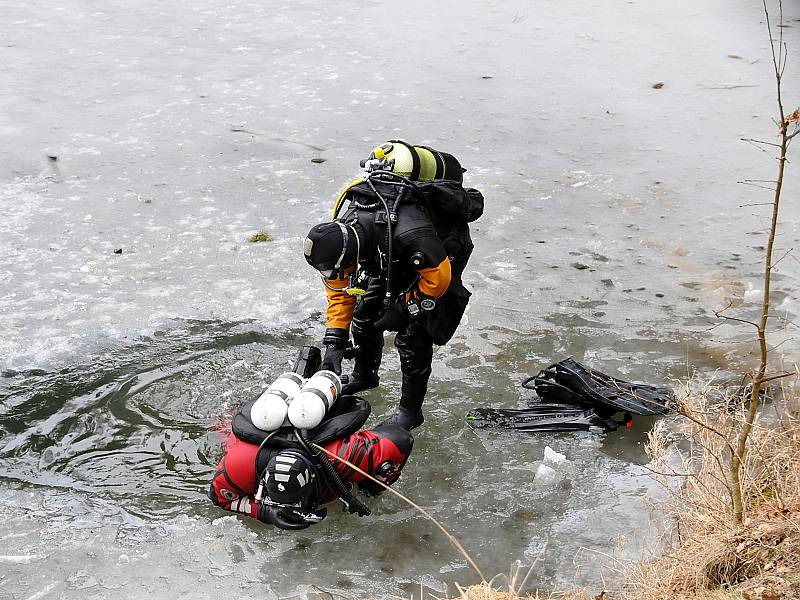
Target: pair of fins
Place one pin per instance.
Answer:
(572, 397)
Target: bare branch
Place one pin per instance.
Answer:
(763, 187)
(713, 327)
(785, 320)
(771, 41)
(727, 318)
(778, 376)
(726, 484)
(779, 345)
(785, 254)
(673, 474)
(683, 412)
(724, 86)
(719, 312)
(782, 317)
(755, 141)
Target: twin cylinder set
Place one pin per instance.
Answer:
(292, 400)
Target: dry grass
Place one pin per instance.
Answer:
(708, 555)
(261, 236)
(486, 591)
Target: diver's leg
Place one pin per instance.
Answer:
(415, 347)
(367, 340)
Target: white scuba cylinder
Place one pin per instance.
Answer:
(268, 412)
(316, 397)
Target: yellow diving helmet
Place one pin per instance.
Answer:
(415, 162)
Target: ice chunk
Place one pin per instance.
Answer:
(545, 474)
(553, 458)
(753, 294)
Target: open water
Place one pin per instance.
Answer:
(142, 143)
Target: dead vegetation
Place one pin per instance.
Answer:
(706, 552)
(709, 553)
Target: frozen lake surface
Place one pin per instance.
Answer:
(143, 143)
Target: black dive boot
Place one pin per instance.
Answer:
(405, 418)
(409, 414)
(358, 381)
(367, 357)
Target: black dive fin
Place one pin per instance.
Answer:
(308, 361)
(545, 417)
(570, 382)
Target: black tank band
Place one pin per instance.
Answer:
(321, 396)
(415, 165)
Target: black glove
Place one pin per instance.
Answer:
(394, 319)
(281, 517)
(335, 341)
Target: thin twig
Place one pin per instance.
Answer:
(785, 254)
(755, 141)
(779, 345)
(682, 411)
(738, 320)
(728, 87)
(755, 185)
(778, 376)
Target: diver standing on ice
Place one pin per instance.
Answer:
(393, 262)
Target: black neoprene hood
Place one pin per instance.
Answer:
(323, 247)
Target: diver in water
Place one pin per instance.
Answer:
(277, 473)
(286, 486)
(393, 261)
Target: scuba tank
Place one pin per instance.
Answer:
(285, 402)
(418, 163)
(269, 411)
(316, 397)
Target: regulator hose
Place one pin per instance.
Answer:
(352, 504)
(387, 299)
